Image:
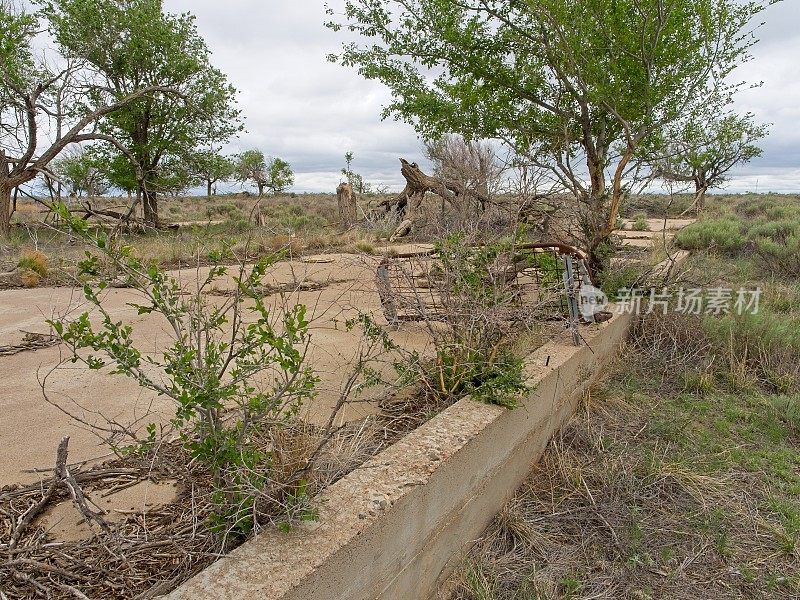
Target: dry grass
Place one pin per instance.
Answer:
(34, 261)
(245, 225)
(653, 491)
(148, 554)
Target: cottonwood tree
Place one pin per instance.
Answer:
(174, 176)
(275, 175)
(31, 95)
(280, 176)
(702, 153)
(131, 43)
(118, 169)
(251, 165)
(81, 173)
(210, 167)
(574, 86)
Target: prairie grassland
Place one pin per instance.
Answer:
(680, 476)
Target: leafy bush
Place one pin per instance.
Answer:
(779, 257)
(641, 224)
(723, 235)
(494, 379)
(473, 348)
(235, 371)
(766, 228)
(616, 278)
(223, 210)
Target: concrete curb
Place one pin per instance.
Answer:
(396, 527)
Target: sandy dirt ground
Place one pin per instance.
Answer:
(334, 288)
(31, 428)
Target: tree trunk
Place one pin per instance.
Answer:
(348, 209)
(701, 199)
(208, 192)
(261, 189)
(701, 187)
(699, 202)
(150, 207)
(407, 203)
(5, 196)
(5, 209)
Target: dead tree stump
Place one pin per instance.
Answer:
(407, 203)
(348, 208)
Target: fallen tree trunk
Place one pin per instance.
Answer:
(119, 219)
(406, 204)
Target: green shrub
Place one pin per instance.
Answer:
(223, 210)
(777, 231)
(473, 355)
(491, 378)
(618, 278)
(365, 247)
(783, 258)
(212, 371)
(722, 235)
(753, 206)
(641, 224)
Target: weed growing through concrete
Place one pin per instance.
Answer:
(211, 371)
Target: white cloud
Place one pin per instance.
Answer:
(298, 105)
(310, 112)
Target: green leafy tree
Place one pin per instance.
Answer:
(275, 175)
(118, 169)
(573, 86)
(251, 165)
(32, 94)
(81, 173)
(280, 175)
(174, 176)
(704, 152)
(210, 167)
(133, 43)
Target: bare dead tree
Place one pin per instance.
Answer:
(407, 203)
(472, 163)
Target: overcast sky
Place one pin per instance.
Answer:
(308, 111)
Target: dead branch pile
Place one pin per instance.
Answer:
(149, 553)
(285, 288)
(31, 342)
(407, 203)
